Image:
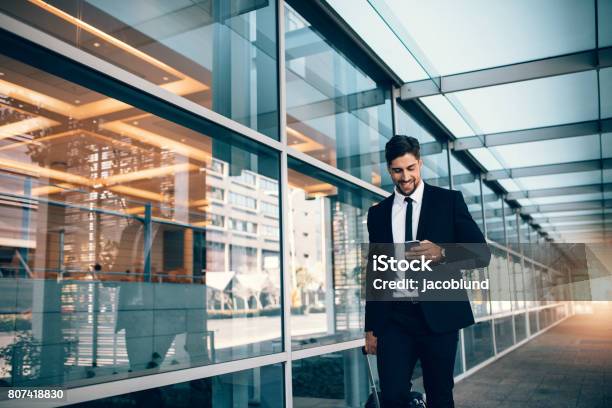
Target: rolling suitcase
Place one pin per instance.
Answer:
(374, 399)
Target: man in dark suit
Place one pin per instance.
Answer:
(400, 332)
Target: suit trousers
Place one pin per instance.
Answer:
(405, 340)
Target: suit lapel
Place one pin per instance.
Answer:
(387, 226)
(425, 214)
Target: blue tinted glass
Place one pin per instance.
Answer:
(261, 386)
(219, 54)
(531, 104)
(143, 242)
(454, 39)
(335, 112)
(327, 224)
(340, 379)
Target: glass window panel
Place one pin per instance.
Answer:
(517, 282)
(486, 156)
(604, 24)
(509, 184)
(337, 379)
(261, 386)
(408, 126)
(470, 188)
(327, 219)
(362, 18)
(544, 31)
(606, 144)
(335, 112)
(535, 103)
(499, 278)
(121, 295)
(520, 327)
(548, 151)
(219, 54)
(478, 343)
(510, 220)
(533, 322)
(448, 115)
(504, 336)
(605, 89)
(494, 220)
(435, 168)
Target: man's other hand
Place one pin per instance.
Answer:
(370, 342)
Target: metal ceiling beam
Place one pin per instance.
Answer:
(585, 228)
(576, 206)
(561, 168)
(534, 135)
(542, 68)
(561, 191)
(573, 218)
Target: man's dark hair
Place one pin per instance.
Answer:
(399, 145)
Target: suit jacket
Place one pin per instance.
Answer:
(444, 219)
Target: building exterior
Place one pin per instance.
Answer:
(183, 196)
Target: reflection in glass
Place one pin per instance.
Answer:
(520, 327)
(121, 251)
(327, 224)
(478, 343)
(219, 54)
(261, 386)
(499, 281)
(533, 322)
(335, 112)
(336, 380)
(469, 185)
(504, 337)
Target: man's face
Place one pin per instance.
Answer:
(405, 172)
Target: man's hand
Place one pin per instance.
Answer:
(370, 342)
(427, 248)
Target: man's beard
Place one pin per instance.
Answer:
(414, 186)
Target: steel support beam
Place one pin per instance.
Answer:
(534, 135)
(524, 71)
(561, 168)
(574, 218)
(576, 206)
(560, 191)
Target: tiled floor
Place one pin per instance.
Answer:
(570, 365)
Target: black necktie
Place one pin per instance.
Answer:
(408, 236)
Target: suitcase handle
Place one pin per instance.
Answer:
(371, 377)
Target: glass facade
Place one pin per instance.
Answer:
(327, 222)
(108, 211)
(142, 239)
(219, 54)
(335, 112)
(261, 386)
(334, 379)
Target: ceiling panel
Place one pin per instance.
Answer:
(470, 35)
(532, 104)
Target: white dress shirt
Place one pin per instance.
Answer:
(398, 213)
(398, 226)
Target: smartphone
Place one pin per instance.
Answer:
(408, 245)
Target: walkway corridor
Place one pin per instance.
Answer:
(569, 365)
